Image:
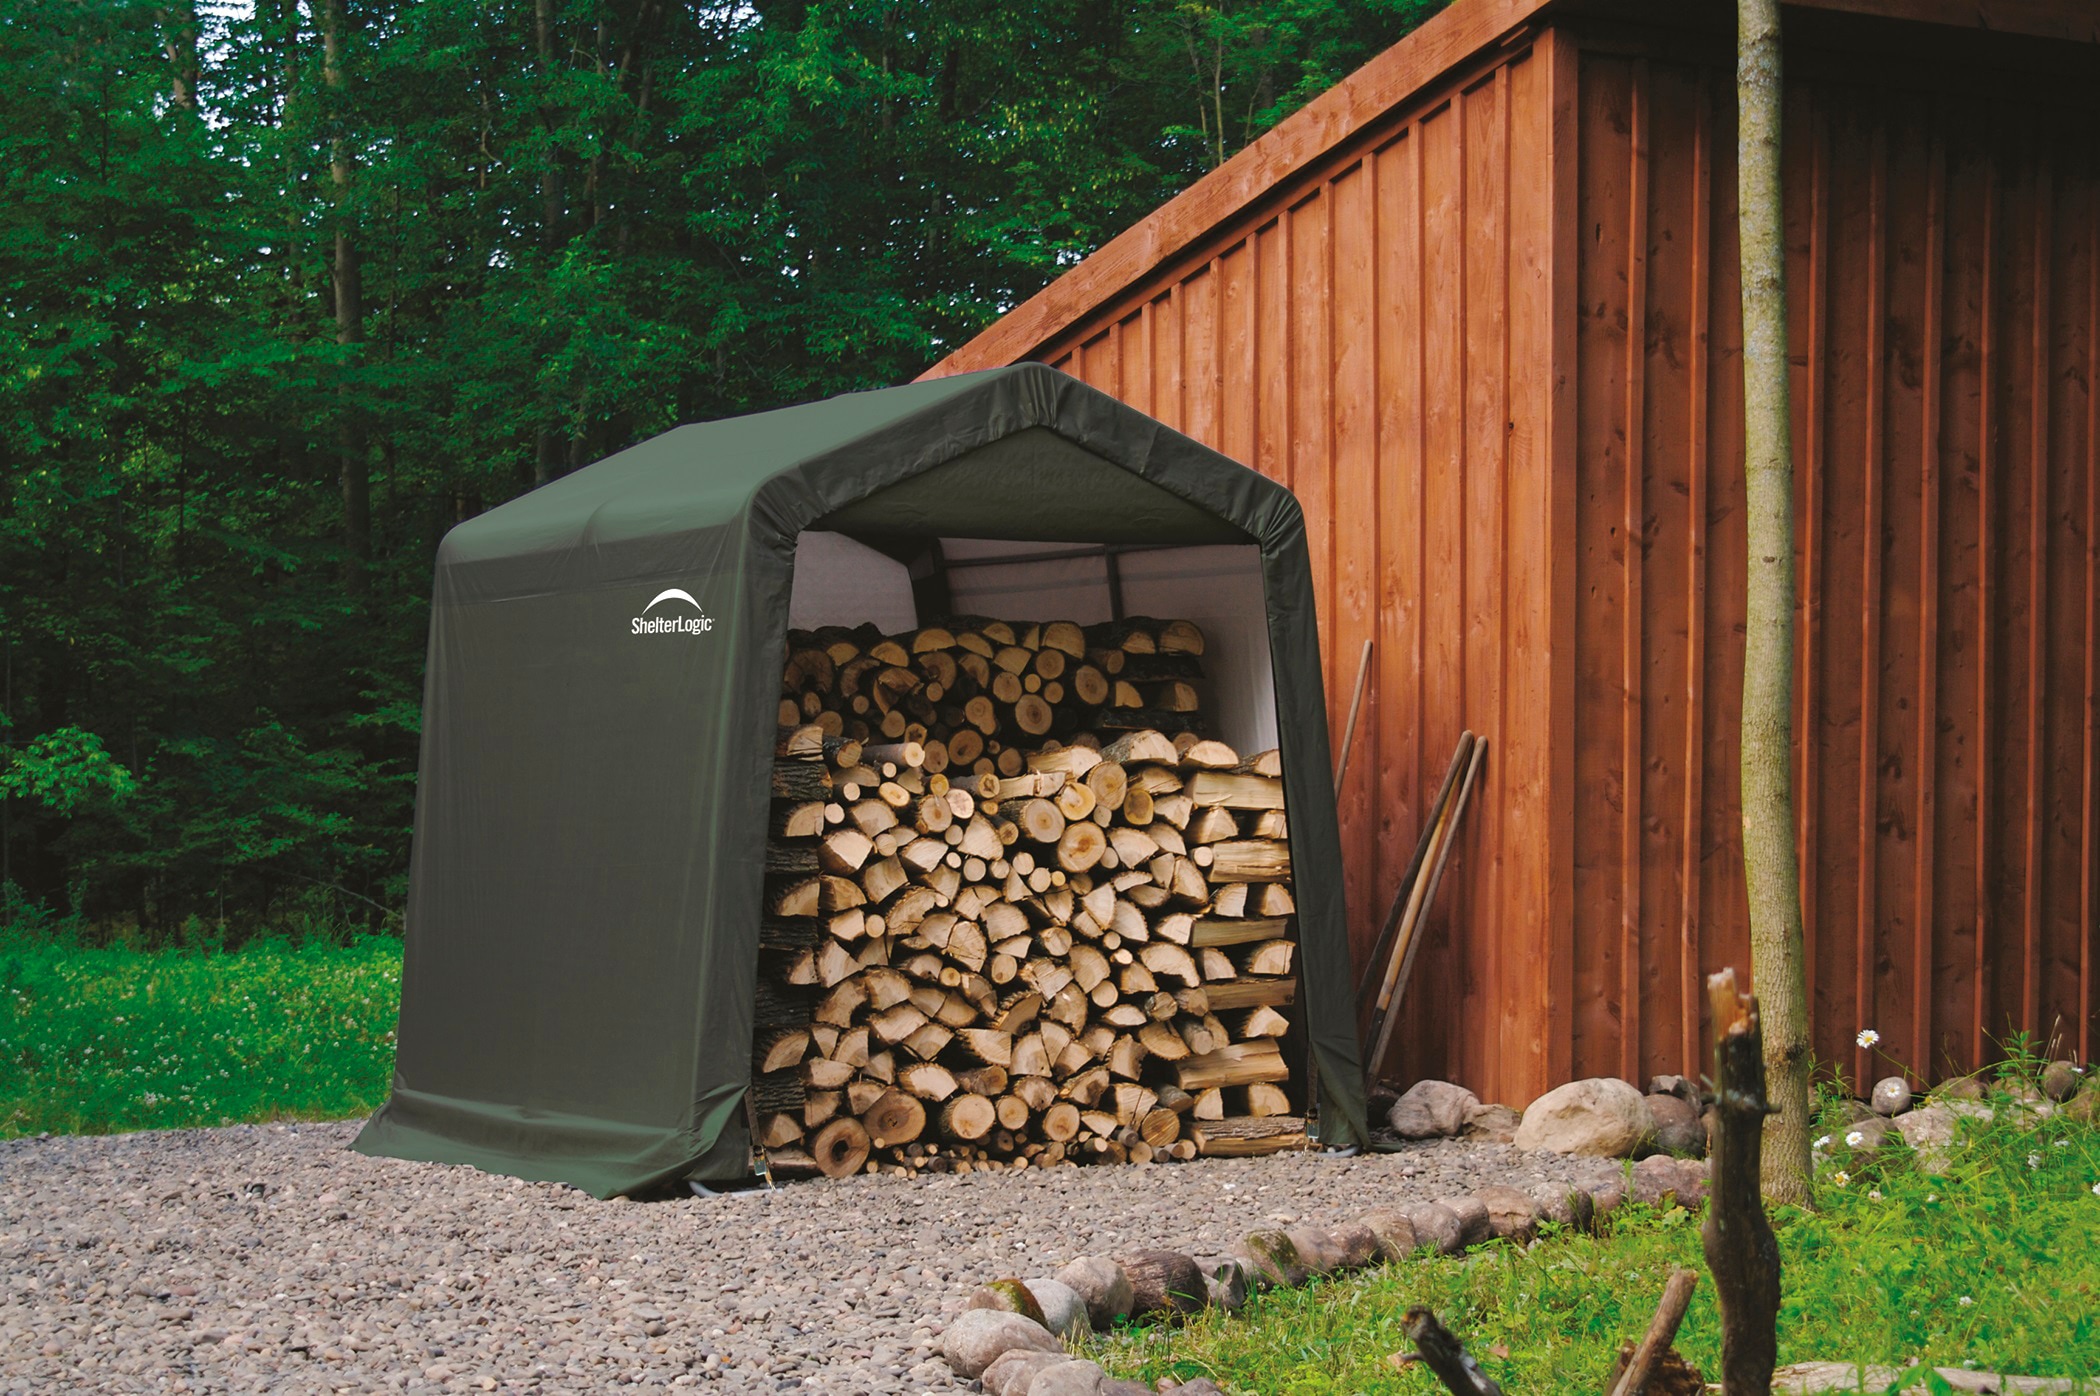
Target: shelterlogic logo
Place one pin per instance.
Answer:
(673, 623)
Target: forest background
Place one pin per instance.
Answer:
(289, 289)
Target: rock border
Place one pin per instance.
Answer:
(1007, 1336)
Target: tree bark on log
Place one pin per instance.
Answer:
(1442, 1352)
(1662, 1331)
(1740, 1247)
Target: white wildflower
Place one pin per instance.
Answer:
(1841, 1178)
(1867, 1037)
(2034, 1160)
(1965, 1301)
(1852, 1139)
(1824, 1142)
(1875, 1194)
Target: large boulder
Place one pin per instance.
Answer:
(1660, 1181)
(1012, 1370)
(1492, 1124)
(1395, 1233)
(1164, 1282)
(1863, 1139)
(1512, 1215)
(976, 1338)
(1474, 1226)
(1437, 1227)
(1678, 1128)
(1225, 1281)
(2060, 1080)
(1959, 1088)
(1358, 1245)
(1682, 1087)
(1102, 1286)
(1007, 1296)
(1270, 1260)
(1431, 1110)
(1317, 1247)
(1602, 1116)
(1565, 1205)
(1074, 1377)
(1930, 1133)
(1064, 1312)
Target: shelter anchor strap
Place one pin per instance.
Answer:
(760, 1164)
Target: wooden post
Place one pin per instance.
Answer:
(1442, 1352)
(1662, 1331)
(1740, 1248)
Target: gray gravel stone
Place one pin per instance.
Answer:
(347, 1273)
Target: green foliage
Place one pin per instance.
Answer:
(62, 768)
(1994, 1262)
(99, 1039)
(572, 223)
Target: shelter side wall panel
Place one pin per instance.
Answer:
(1945, 310)
(1376, 336)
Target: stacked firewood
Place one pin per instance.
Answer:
(1010, 920)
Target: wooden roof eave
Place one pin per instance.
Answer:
(1365, 97)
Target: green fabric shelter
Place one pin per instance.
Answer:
(599, 722)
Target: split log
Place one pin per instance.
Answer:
(1208, 931)
(1245, 1137)
(1233, 1065)
(1250, 860)
(1233, 790)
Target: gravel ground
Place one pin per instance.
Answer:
(269, 1258)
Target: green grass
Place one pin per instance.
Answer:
(93, 1041)
(1996, 1262)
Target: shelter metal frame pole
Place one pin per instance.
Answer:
(1067, 554)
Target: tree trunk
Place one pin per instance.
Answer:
(1741, 1250)
(179, 24)
(1769, 866)
(355, 472)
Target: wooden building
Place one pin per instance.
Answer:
(1478, 307)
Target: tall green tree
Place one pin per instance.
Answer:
(1769, 867)
(288, 289)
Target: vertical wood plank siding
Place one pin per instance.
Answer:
(1942, 256)
(1381, 339)
(1492, 341)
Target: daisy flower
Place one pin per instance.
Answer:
(1867, 1037)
